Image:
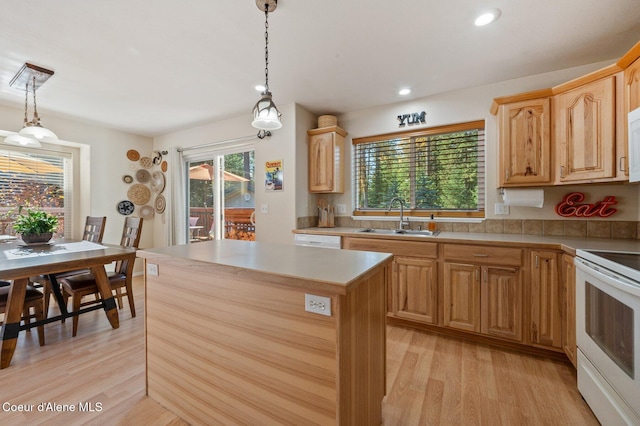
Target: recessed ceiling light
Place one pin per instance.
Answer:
(488, 17)
(404, 92)
(260, 88)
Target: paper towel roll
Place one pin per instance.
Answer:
(523, 197)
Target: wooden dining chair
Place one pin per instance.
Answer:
(93, 231)
(33, 299)
(79, 286)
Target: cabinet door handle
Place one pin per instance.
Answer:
(621, 164)
(561, 172)
(477, 276)
(536, 261)
(480, 255)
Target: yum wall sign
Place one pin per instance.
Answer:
(413, 118)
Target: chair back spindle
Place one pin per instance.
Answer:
(94, 229)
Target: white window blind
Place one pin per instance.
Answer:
(36, 178)
(438, 170)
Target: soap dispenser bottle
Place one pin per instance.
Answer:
(432, 224)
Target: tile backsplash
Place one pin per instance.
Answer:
(569, 228)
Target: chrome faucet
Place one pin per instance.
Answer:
(403, 222)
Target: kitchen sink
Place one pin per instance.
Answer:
(401, 232)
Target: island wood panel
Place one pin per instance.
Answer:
(362, 351)
(245, 351)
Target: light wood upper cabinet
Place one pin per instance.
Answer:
(525, 143)
(632, 86)
(585, 132)
(545, 300)
(569, 308)
(326, 159)
(588, 128)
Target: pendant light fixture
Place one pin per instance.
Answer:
(33, 131)
(266, 116)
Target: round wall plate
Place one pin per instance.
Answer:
(133, 155)
(125, 207)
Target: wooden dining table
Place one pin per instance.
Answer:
(18, 262)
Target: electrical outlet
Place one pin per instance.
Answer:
(342, 208)
(152, 269)
(317, 304)
(501, 208)
(264, 208)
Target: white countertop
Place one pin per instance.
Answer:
(340, 267)
(568, 244)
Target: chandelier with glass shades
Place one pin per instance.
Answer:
(31, 77)
(266, 116)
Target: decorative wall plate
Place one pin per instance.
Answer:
(158, 182)
(146, 162)
(157, 157)
(143, 176)
(164, 166)
(139, 194)
(133, 155)
(160, 203)
(127, 178)
(125, 207)
(147, 212)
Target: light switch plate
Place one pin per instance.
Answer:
(317, 304)
(264, 208)
(342, 208)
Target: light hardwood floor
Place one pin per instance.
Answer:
(431, 379)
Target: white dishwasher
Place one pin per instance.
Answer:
(324, 241)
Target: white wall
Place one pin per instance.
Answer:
(103, 163)
(473, 104)
(287, 144)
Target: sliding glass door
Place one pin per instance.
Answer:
(220, 190)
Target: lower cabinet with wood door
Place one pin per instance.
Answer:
(482, 290)
(569, 308)
(545, 300)
(519, 294)
(413, 294)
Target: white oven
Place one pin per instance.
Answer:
(608, 334)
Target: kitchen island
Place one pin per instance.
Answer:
(230, 339)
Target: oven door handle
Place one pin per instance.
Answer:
(618, 281)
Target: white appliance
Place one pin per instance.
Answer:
(608, 334)
(634, 145)
(324, 241)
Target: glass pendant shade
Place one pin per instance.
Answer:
(21, 140)
(265, 114)
(38, 131)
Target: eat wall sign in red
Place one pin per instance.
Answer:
(569, 206)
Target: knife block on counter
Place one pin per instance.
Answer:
(326, 217)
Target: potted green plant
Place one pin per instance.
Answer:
(35, 226)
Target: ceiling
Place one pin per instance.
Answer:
(153, 67)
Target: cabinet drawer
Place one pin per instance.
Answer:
(398, 248)
(483, 254)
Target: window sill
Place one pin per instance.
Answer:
(421, 219)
